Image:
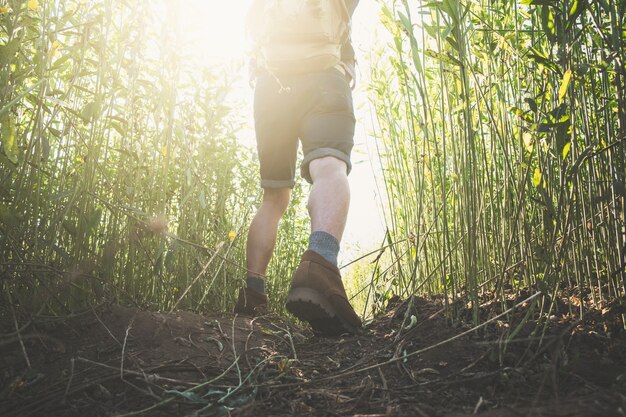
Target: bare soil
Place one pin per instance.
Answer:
(410, 361)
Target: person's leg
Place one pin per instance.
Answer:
(276, 123)
(263, 230)
(328, 205)
(317, 294)
(329, 199)
(327, 138)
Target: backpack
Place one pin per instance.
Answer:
(296, 36)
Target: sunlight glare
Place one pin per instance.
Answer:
(214, 32)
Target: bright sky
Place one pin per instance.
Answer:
(213, 32)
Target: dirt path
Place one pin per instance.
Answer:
(119, 361)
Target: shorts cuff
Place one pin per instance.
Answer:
(321, 153)
(278, 183)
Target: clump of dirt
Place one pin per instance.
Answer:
(411, 360)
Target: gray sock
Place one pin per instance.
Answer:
(255, 283)
(325, 244)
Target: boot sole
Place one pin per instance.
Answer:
(311, 306)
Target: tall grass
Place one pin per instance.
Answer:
(121, 174)
(122, 177)
(504, 153)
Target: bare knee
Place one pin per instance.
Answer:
(327, 166)
(276, 199)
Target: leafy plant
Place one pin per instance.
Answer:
(504, 153)
(121, 174)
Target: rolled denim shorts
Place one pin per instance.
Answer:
(314, 109)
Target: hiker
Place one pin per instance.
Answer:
(303, 70)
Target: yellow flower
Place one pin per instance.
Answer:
(33, 4)
(54, 48)
(4, 9)
(231, 235)
(537, 177)
(528, 141)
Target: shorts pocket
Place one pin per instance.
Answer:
(335, 95)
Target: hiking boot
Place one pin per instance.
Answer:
(251, 302)
(318, 297)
